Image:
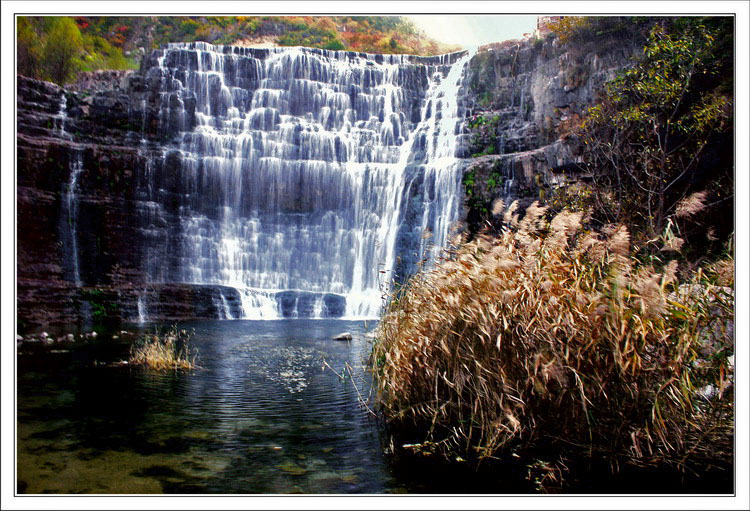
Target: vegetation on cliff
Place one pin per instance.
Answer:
(600, 325)
(659, 131)
(550, 335)
(649, 140)
(113, 42)
(54, 48)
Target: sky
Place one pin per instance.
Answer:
(474, 30)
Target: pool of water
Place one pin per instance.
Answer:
(268, 412)
(276, 407)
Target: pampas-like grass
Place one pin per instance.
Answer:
(549, 334)
(168, 351)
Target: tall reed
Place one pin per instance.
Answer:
(166, 351)
(550, 334)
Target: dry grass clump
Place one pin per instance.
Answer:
(553, 335)
(161, 352)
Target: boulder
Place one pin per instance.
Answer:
(344, 336)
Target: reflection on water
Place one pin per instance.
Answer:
(266, 414)
(263, 415)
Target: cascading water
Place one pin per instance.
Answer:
(59, 120)
(286, 173)
(142, 312)
(70, 217)
(442, 169)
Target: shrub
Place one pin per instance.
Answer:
(102, 55)
(162, 352)
(553, 336)
(63, 48)
(29, 47)
(658, 129)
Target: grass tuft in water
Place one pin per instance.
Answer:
(166, 351)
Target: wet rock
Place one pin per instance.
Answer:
(708, 392)
(291, 468)
(343, 336)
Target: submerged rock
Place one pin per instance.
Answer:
(343, 336)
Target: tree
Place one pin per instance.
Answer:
(29, 48)
(62, 50)
(646, 136)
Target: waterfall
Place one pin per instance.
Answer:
(285, 173)
(258, 304)
(70, 217)
(142, 312)
(443, 169)
(225, 307)
(58, 121)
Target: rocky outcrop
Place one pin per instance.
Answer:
(58, 129)
(98, 81)
(526, 94)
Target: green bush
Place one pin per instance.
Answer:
(646, 137)
(63, 48)
(29, 47)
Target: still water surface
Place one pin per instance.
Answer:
(263, 415)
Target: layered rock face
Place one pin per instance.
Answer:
(226, 182)
(76, 179)
(222, 182)
(527, 92)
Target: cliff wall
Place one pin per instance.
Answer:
(526, 94)
(84, 152)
